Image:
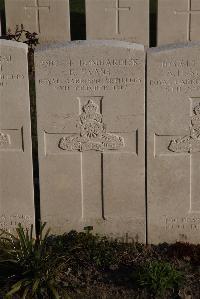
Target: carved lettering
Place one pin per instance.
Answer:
(93, 74)
(11, 76)
(178, 63)
(91, 84)
(5, 59)
(182, 223)
(10, 222)
(109, 62)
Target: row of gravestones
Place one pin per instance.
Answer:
(128, 20)
(113, 154)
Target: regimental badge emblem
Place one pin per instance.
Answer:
(189, 143)
(4, 139)
(93, 135)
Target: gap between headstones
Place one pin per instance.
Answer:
(33, 111)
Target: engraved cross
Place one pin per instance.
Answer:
(172, 145)
(37, 7)
(118, 9)
(189, 13)
(93, 142)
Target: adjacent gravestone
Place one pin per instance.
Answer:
(178, 21)
(0, 23)
(173, 132)
(16, 180)
(49, 18)
(90, 104)
(126, 20)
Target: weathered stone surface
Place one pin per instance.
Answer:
(49, 18)
(178, 21)
(126, 20)
(90, 103)
(16, 181)
(173, 130)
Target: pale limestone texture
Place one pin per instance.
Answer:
(90, 104)
(126, 20)
(178, 21)
(16, 180)
(173, 132)
(49, 18)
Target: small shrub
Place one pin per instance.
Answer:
(29, 38)
(158, 277)
(22, 35)
(26, 266)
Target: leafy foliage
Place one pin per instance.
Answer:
(27, 265)
(159, 276)
(84, 265)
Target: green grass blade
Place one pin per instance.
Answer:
(35, 286)
(22, 239)
(4, 232)
(54, 292)
(25, 293)
(15, 288)
(41, 230)
(46, 235)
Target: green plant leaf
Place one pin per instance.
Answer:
(4, 232)
(15, 288)
(8, 261)
(25, 293)
(22, 239)
(54, 291)
(41, 230)
(159, 276)
(35, 286)
(29, 261)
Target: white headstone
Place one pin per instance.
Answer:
(16, 179)
(90, 104)
(126, 20)
(173, 118)
(178, 21)
(0, 23)
(49, 18)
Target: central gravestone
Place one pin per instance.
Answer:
(174, 143)
(90, 103)
(16, 171)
